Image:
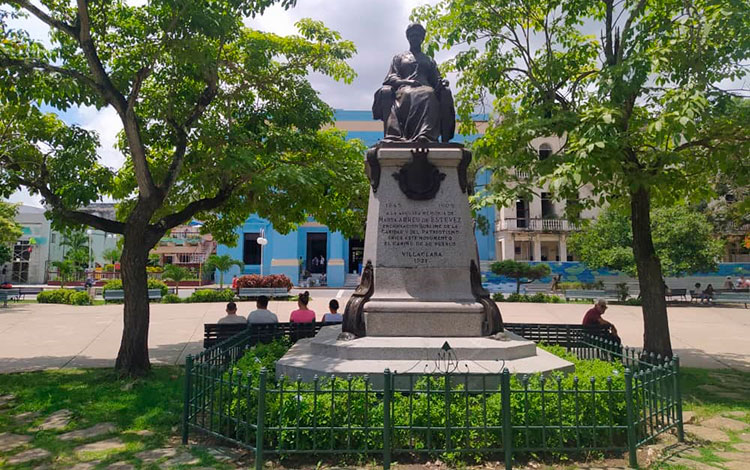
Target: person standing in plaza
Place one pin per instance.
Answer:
(302, 314)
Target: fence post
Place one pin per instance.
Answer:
(188, 392)
(678, 400)
(507, 431)
(387, 392)
(632, 446)
(260, 420)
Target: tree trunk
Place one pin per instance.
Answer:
(655, 322)
(133, 356)
(518, 285)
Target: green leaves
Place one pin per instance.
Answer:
(683, 239)
(10, 230)
(639, 104)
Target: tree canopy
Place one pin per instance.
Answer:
(636, 91)
(523, 273)
(684, 241)
(219, 121)
(10, 230)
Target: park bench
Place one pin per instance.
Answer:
(215, 333)
(566, 335)
(119, 294)
(255, 292)
(585, 294)
(671, 294)
(24, 291)
(731, 298)
(6, 294)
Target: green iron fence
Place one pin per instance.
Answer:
(493, 415)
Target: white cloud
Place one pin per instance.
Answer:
(107, 124)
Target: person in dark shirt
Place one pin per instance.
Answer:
(594, 317)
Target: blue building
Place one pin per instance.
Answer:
(315, 248)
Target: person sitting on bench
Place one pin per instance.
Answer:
(232, 316)
(594, 317)
(333, 316)
(261, 314)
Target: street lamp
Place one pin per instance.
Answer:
(89, 232)
(262, 241)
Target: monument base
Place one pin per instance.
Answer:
(326, 355)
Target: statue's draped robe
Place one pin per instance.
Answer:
(413, 113)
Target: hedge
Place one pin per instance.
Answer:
(210, 295)
(116, 284)
(63, 296)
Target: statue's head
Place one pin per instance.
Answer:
(415, 33)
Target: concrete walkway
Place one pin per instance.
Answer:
(39, 336)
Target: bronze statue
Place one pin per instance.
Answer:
(415, 103)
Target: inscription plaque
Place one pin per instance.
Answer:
(420, 237)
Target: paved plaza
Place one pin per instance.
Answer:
(38, 336)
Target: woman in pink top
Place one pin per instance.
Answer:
(302, 314)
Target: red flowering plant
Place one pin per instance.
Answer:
(272, 280)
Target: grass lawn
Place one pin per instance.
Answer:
(146, 415)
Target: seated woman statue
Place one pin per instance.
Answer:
(414, 103)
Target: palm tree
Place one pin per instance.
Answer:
(222, 264)
(64, 270)
(112, 255)
(176, 274)
(77, 243)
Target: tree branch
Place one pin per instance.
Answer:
(627, 28)
(140, 76)
(47, 19)
(32, 65)
(78, 216)
(172, 220)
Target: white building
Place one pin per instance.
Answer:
(536, 229)
(28, 264)
(98, 240)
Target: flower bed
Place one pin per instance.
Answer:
(273, 280)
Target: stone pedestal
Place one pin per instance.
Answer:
(421, 247)
(327, 355)
(421, 286)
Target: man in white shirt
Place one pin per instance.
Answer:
(232, 316)
(261, 314)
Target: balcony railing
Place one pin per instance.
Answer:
(537, 225)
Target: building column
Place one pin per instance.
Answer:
(537, 248)
(336, 271)
(509, 247)
(563, 247)
(282, 251)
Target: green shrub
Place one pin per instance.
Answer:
(300, 410)
(539, 297)
(116, 284)
(210, 295)
(598, 285)
(171, 299)
(623, 291)
(63, 296)
(79, 298)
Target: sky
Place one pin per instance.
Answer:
(377, 28)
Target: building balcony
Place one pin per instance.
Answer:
(535, 225)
